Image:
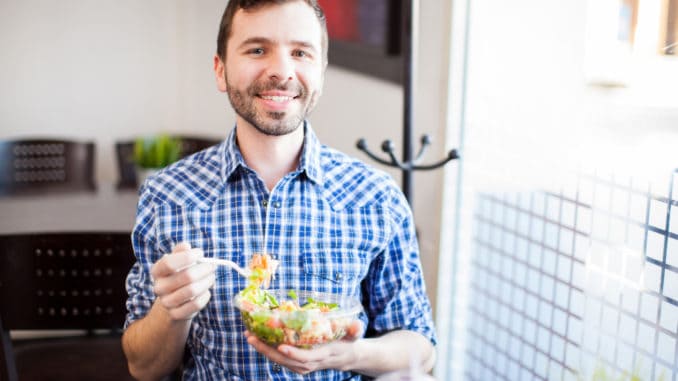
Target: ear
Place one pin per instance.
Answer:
(219, 71)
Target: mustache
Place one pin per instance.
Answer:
(292, 87)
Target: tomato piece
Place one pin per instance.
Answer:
(274, 322)
(354, 329)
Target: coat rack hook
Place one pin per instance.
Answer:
(408, 28)
(412, 165)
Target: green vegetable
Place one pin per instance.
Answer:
(312, 304)
(270, 299)
(293, 295)
(258, 296)
(256, 323)
(297, 320)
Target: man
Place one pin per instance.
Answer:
(332, 222)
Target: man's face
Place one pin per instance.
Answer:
(274, 69)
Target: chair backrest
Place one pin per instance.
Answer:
(43, 166)
(64, 280)
(72, 281)
(125, 156)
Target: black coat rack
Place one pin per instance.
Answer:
(409, 163)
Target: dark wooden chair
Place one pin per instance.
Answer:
(69, 281)
(43, 166)
(125, 157)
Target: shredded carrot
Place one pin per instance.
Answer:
(263, 268)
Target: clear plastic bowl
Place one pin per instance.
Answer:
(301, 328)
(405, 375)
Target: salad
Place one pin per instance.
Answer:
(262, 269)
(302, 318)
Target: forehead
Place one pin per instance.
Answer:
(283, 23)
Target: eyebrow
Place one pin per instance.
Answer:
(267, 41)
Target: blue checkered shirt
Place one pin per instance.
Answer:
(335, 224)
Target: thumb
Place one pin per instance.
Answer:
(181, 246)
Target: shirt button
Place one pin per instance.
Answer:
(264, 203)
(277, 204)
(277, 368)
(338, 276)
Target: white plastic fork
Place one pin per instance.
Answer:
(225, 262)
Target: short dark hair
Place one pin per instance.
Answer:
(234, 5)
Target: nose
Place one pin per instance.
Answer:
(281, 67)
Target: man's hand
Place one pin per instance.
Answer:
(154, 345)
(336, 355)
(181, 284)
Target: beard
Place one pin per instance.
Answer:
(272, 123)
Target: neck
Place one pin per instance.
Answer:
(272, 157)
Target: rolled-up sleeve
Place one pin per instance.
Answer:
(139, 284)
(395, 285)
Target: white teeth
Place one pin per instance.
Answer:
(276, 98)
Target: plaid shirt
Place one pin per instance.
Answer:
(335, 224)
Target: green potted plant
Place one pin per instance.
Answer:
(153, 153)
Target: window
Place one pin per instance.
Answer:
(671, 29)
(652, 23)
(657, 25)
(634, 44)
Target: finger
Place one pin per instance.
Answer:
(188, 292)
(170, 283)
(180, 260)
(301, 361)
(191, 308)
(272, 353)
(333, 355)
(299, 354)
(181, 246)
(171, 263)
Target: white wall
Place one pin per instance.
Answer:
(88, 70)
(108, 71)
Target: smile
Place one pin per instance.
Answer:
(277, 98)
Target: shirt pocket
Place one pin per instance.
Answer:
(334, 271)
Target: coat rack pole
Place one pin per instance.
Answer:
(410, 163)
(409, 17)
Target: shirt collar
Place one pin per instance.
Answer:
(232, 157)
(309, 162)
(310, 156)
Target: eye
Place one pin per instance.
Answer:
(301, 53)
(256, 51)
